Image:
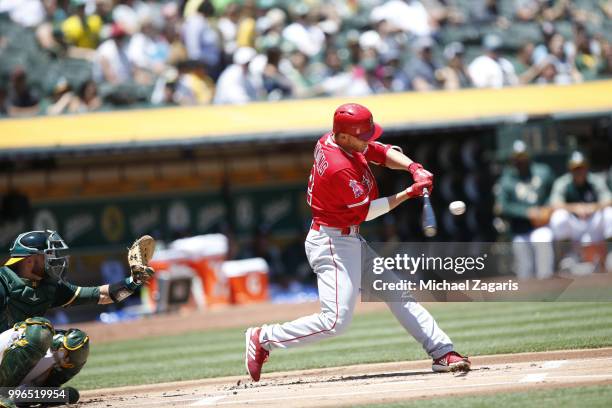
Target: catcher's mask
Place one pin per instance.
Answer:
(49, 243)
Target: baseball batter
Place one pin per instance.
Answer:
(342, 194)
(32, 351)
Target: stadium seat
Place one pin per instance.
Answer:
(521, 33)
(76, 71)
(465, 34)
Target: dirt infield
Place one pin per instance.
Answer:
(370, 383)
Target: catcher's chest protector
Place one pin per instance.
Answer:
(24, 301)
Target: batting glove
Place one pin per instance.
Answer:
(420, 175)
(416, 190)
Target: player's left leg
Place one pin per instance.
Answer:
(544, 255)
(522, 256)
(423, 327)
(417, 321)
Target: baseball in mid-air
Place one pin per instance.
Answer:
(457, 207)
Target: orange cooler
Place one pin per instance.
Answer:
(206, 254)
(248, 280)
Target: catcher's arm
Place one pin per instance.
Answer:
(139, 255)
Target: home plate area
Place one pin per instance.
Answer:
(370, 383)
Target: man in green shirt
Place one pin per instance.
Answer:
(521, 198)
(32, 351)
(582, 203)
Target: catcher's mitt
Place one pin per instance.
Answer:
(139, 255)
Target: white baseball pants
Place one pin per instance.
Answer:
(336, 259)
(534, 254)
(596, 228)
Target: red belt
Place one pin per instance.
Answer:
(344, 231)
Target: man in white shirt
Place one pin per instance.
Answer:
(28, 13)
(407, 15)
(202, 40)
(228, 27)
(304, 33)
(112, 62)
(346, 84)
(491, 70)
(236, 84)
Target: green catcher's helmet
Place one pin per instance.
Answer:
(48, 243)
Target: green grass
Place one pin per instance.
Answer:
(592, 397)
(476, 329)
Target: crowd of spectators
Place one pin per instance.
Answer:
(70, 56)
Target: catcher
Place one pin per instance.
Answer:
(32, 351)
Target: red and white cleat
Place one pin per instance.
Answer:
(452, 362)
(255, 355)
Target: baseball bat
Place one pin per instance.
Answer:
(430, 227)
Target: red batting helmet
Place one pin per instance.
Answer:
(356, 120)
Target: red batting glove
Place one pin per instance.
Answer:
(420, 175)
(416, 190)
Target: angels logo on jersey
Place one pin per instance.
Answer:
(358, 188)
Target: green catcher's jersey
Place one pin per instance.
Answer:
(21, 298)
